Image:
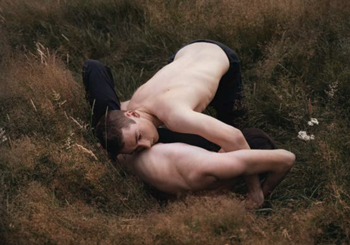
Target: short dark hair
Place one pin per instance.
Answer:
(258, 139)
(109, 131)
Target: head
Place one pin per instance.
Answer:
(258, 139)
(125, 132)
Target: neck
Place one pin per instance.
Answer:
(150, 117)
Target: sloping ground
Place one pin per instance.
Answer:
(58, 186)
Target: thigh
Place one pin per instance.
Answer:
(168, 136)
(229, 99)
(99, 87)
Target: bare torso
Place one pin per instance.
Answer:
(190, 81)
(173, 168)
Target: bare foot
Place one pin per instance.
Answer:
(254, 199)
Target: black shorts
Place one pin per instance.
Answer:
(229, 97)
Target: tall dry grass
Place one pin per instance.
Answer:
(58, 186)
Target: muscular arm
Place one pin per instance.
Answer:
(252, 162)
(188, 121)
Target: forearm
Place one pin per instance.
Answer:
(215, 131)
(252, 181)
(272, 181)
(278, 169)
(275, 177)
(252, 162)
(259, 161)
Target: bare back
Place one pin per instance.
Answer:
(190, 81)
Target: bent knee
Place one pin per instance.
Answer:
(91, 64)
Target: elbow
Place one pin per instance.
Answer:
(292, 159)
(239, 139)
(289, 159)
(231, 139)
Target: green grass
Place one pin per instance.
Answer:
(58, 186)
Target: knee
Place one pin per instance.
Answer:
(92, 64)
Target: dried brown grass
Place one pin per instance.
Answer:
(58, 186)
(39, 96)
(37, 217)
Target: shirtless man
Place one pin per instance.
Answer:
(177, 168)
(201, 73)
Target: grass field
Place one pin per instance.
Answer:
(58, 187)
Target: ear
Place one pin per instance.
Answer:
(131, 114)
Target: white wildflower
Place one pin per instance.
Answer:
(304, 136)
(312, 122)
(334, 86)
(332, 89)
(3, 137)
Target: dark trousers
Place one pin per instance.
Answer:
(99, 88)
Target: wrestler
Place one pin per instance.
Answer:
(202, 73)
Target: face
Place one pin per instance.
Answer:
(140, 135)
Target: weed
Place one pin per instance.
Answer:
(58, 186)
